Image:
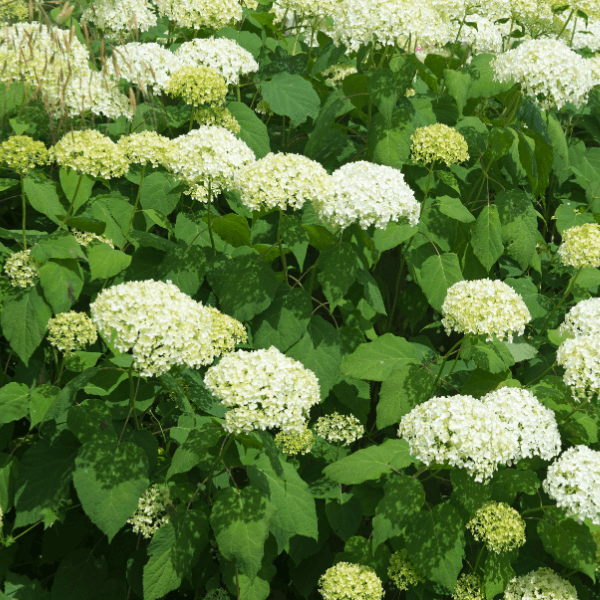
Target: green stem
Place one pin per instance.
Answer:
(68, 215)
(566, 23)
(210, 231)
(541, 507)
(580, 407)
(279, 241)
(446, 357)
(478, 559)
(562, 300)
(132, 394)
(540, 376)
(238, 95)
(192, 118)
(573, 33)
(24, 203)
(60, 370)
(224, 449)
(428, 181)
(137, 201)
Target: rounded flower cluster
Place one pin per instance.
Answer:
(17, 10)
(208, 155)
(581, 246)
(293, 443)
(144, 147)
(282, 180)
(223, 55)
(580, 358)
(402, 572)
(370, 194)
(264, 389)
(583, 318)
(22, 269)
(485, 307)
(226, 332)
(573, 481)
(197, 85)
(201, 13)
(70, 331)
(486, 38)
(153, 511)
(438, 143)
(532, 425)
(218, 116)
(118, 18)
(549, 72)
(162, 326)
(335, 74)
(460, 431)
(91, 153)
(21, 154)
(468, 587)
(543, 583)
(347, 581)
(499, 526)
(217, 594)
(85, 238)
(339, 428)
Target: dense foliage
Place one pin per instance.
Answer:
(298, 299)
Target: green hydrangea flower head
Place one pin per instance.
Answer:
(197, 85)
(70, 331)
(402, 572)
(293, 443)
(21, 154)
(468, 587)
(226, 332)
(219, 116)
(347, 581)
(144, 147)
(438, 143)
(499, 526)
(339, 428)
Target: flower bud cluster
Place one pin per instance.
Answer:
(402, 572)
(197, 85)
(438, 143)
(70, 331)
(293, 443)
(22, 269)
(468, 587)
(153, 511)
(499, 526)
(339, 428)
(21, 154)
(347, 581)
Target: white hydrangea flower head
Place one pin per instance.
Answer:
(438, 143)
(335, 74)
(197, 14)
(580, 358)
(369, 194)
(22, 268)
(293, 443)
(594, 66)
(119, 18)
(583, 318)
(21, 153)
(226, 332)
(590, 7)
(543, 583)
(197, 85)
(485, 307)
(85, 238)
(153, 511)
(523, 416)
(402, 571)
(348, 581)
(460, 431)
(580, 246)
(208, 154)
(485, 39)
(223, 55)
(70, 331)
(305, 9)
(337, 428)
(91, 153)
(161, 325)
(549, 72)
(573, 482)
(468, 587)
(499, 526)
(264, 389)
(144, 147)
(282, 180)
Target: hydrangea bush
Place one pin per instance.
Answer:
(300, 299)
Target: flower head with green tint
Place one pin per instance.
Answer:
(219, 116)
(468, 587)
(295, 443)
(21, 154)
(226, 332)
(153, 511)
(499, 526)
(402, 572)
(70, 331)
(85, 238)
(22, 269)
(543, 583)
(144, 147)
(347, 581)
(197, 85)
(339, 428)
(581, 246)
(438, 143)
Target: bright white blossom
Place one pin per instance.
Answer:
(335, 74)
(583, 318)
(144, 147)
(153, 511)
(201, 13)
(499, 526)
(347, 581)
(460, 431)
(119, 18)
(543, 583)
(580, 358)
(294, 443)
(581, 246)
(485, 38)
(70, 331)
(339, 428)
(485, 307)
(263, 389)
(22, 268)
(162, 326)
(438, 143)
(402, 571)
(85, 238)
(226, 332)
(586, 36)
(369, 194)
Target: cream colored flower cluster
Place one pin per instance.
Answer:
(294, 443)
(217, 116)
(282, 180)
(549, 72)
(344, 429)
(590, 7)
(223, 55)
(573, 482)
(197, 85)
(162, 326)
(586, 36)
(402, 572)
(468, 587)
(18, 10)
(369, 194)
(226, 332)
(543, 583)
(85, 238)
(70, 331)
(22, 269)
(485, 307)
(460, 431)
(91, 153)
(120, 18)
(348, 581)
(485, 38)
(264, 390)
(21, 154)
(201, 13)
(144, 147)
(580, 358)
(581, 246)
(153, 511)
(438, 143)
(499, 526)
(335, 74)
(583, 318)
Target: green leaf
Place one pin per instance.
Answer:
(468, 493)
(14, 402)
(458, 85)
(90, 418)
(185, 266)
(62, 282)
(76, 186)
(489, 356)
(403, 498)
(438, 274)
(388, 140)
(393, 235)
(338, 265)
(295, 237)
(568, 216)
(362, 551)
(105, 261)
(200, 448)
(42, 194)
(65, 397)
(497, 572)
(384, 91)
(253, 131)
(435, 542)
(544, 158)
(24, 319)
(241, 522)
(232, 229)
(487, 237)
(42, 398)
(455, 209)
(9, 472)
(78, 576)
(375, 361)
(109, 479)
(370, 463)
(510, 482)
(20, 587)
(480, 382)
(372, 292)
(483, 84)
(60, 244)
(160, 192)
(344, 515)
(292, 96)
